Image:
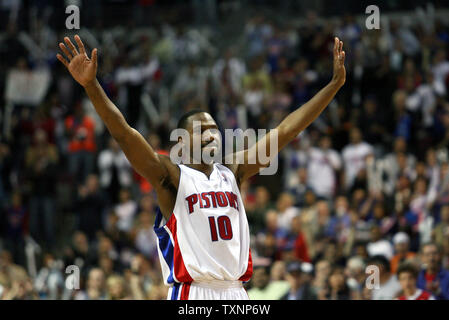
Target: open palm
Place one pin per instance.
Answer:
(82, 68)
(339, 63)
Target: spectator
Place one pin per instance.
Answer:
(95, 286)
(263, 289)
(336, 288)
(378, 245)
(41, 160)
(116, 289)
(354, 156)
(401, 242)
(441, 230)
(145, 238)
(433, 278)
(114, 170)
(125, 210)
(89, 206)
(407, 275)
(286, 210)
(16, 228)
(80, 129)
(389, 286)
(323, 165)
(300, 288)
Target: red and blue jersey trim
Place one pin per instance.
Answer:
(168, 245)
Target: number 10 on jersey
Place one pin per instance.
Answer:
(224, 228)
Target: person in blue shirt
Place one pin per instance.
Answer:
(433, 277)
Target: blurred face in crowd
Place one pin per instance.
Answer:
(310, 198)
(284, 202)
(400, 145)
(379, 210)
(302, 175)
(80, 241)
(105, 245)
(420, 186)
(401, 160)
(401, 247)
(440, 56)
(278, 270)
(323, 269)
(355, 136)
(337, 279)
(146, 219)
(116, 287)
(325, 143)
(355, 268)
(295, 279)
(95, 280)
(262, 196)
(124, 196)
(92, 183)
(445, 214)
(399, 99)
(407, 281)
(375, 233)
(323, 211)
(420, 169)
(146, 203)
(106, 264)
(260, 278)
(369, 106)
(16, 199)
(40, 137)
(341, 205)
(361, 251)
(271, 220)
(296, 224)
(431, 257)
(48, 260)
(358, 196)
(431, 157)
(331, 252)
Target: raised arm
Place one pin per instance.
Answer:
(296, 121)
(140, 154)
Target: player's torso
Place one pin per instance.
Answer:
(212, 232)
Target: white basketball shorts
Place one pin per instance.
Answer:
(208, 290)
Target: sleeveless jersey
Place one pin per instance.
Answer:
(207, 235)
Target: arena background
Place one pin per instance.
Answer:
(365, 184)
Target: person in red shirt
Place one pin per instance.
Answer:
(80, 129)
(407, 276)
(401, 246)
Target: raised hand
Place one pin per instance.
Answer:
(339, 76)
(82, 68)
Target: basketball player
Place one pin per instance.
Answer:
(204, 242)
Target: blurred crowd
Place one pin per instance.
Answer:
(359, 208)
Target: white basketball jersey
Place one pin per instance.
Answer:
(207, 235)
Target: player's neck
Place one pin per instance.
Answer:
(203, 167)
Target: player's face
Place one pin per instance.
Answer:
(204, 132)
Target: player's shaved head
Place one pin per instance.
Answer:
(184, 120)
